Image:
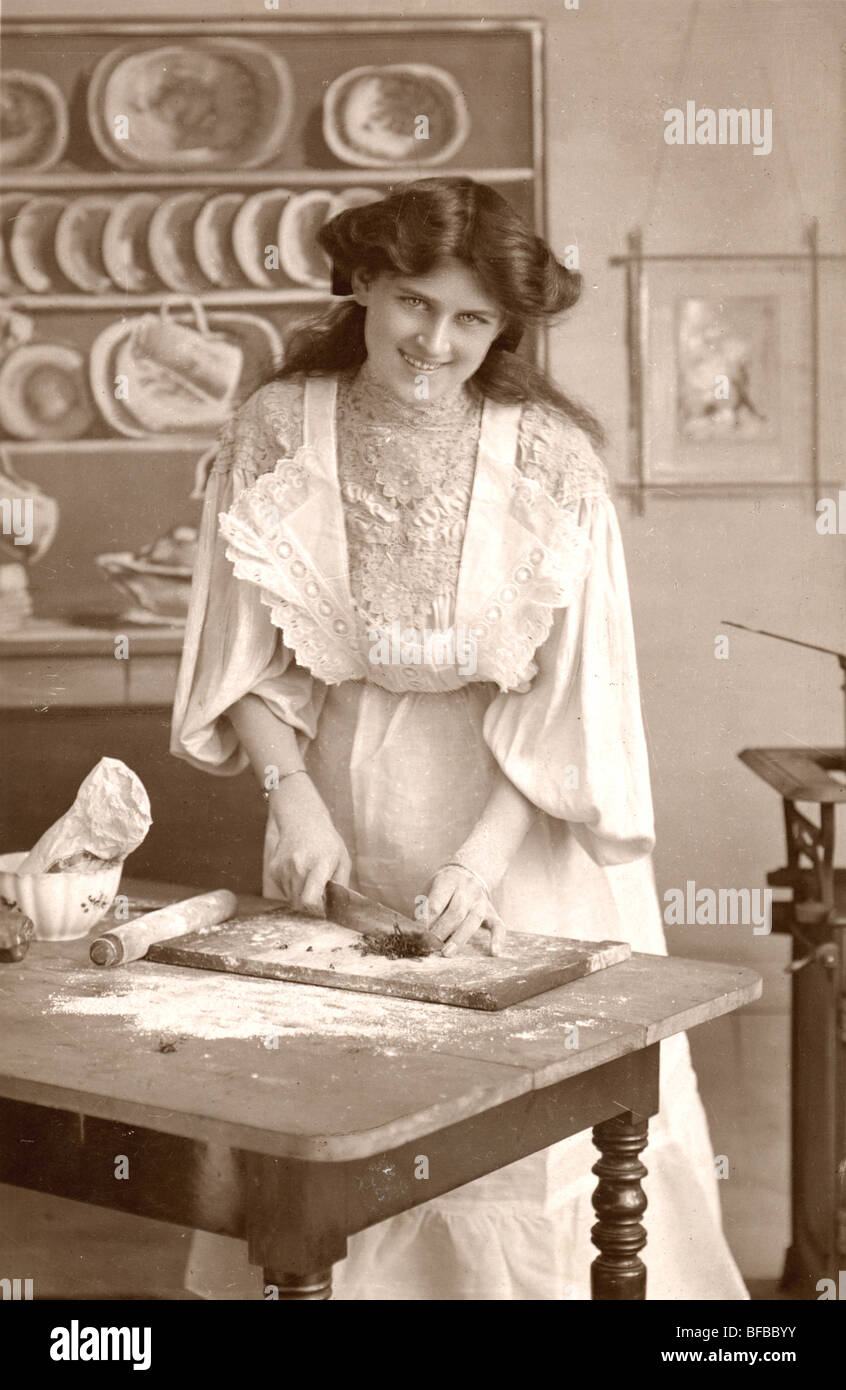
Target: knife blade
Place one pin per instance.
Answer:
(347, 908)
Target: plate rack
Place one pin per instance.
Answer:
(499, 69)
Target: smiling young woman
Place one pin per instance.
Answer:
(408, 472)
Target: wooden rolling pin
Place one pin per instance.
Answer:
(132, 941)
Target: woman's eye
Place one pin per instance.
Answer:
(411, 299)
(472, 318)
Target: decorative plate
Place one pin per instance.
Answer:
(213, 104)
(33, 120)
(79, 242)
(299, 254)
(10, 206)
(32, 244)
(213, 240)
(373, 116)
(44, 393)
(170, 241)
(256, 226)
(126, 255)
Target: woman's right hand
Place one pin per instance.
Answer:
(310, 850)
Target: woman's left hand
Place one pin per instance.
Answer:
(457, 906)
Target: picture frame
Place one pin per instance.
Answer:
(726, 373)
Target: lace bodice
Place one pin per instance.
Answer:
(406, 476)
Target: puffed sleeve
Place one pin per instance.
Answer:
(231, 648)
(574, 743)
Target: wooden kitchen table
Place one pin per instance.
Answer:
(291, 1116)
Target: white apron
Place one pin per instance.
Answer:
(405, 777)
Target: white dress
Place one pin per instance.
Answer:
(340, 527)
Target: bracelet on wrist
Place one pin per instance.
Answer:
(283, 777)
(456, 864)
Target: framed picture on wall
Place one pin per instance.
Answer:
(726, 372)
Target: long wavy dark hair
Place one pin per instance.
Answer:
(408, 233)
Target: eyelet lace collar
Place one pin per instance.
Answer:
(523, 557)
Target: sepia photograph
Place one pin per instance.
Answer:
(423, 662)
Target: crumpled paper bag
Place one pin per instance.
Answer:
(107, 821)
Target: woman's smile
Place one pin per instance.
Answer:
(420, 364)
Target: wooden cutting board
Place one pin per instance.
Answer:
(282, 945)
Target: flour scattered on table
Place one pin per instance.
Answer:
(234, 1007)
(189, 1004)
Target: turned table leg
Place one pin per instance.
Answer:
(296, 1288)
(619, 1201)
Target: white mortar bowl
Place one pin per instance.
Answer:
(63, 906)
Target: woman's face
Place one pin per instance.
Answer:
(427, 334)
